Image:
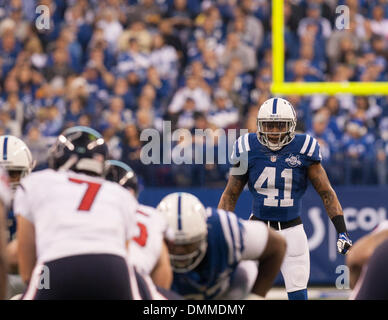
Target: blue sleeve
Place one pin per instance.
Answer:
(231, 229)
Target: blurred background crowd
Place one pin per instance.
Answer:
(121, 66)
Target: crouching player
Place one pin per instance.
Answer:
(215, 254)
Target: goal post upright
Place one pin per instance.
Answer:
(280, 87)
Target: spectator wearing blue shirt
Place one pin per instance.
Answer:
(28, 84)
(208, 30)
(302, 71)
(165, 59)
(117, 114)
(330, 146)
(224, 115)
(359, 153)
(261, 85)
(51, 121)
(73, 112)
(69, 39)
(242, 80)
(161, 87)
(337, 117)
(211, 67)
(121, 89)
(382, 152)
(316, 27)
(133, 60)
(9, 51)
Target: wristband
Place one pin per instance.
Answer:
(339, 223)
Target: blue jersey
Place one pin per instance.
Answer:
(225, 246)
(277, 180)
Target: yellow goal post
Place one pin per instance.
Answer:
(279, 87)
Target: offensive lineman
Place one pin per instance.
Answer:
(5, 200)
(148, 252)
(214, 254)
(16, 159)
(277, 164)
(74, 224)
(368, 263)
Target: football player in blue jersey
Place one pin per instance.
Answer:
(277, 164)
(214, 254)
(16, 159)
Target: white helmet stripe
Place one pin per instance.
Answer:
(5, 145)
(274, 106)
(305, 145)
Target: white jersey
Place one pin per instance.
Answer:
(76, 214)
(383, 225)
(146, 245)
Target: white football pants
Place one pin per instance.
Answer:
(296, 264)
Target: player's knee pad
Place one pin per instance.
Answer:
(298, 275)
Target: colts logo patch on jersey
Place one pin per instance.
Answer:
(293, 161)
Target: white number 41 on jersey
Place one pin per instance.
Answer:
(269, 175)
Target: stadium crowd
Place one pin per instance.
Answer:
(121, 66)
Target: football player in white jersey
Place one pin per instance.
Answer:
(149, 252)
(214, 254)
(16, 159)
(5, 200)
(73, 225)
(368, 262)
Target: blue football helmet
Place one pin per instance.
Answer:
(80, 149)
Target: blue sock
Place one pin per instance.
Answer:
(297, 295)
